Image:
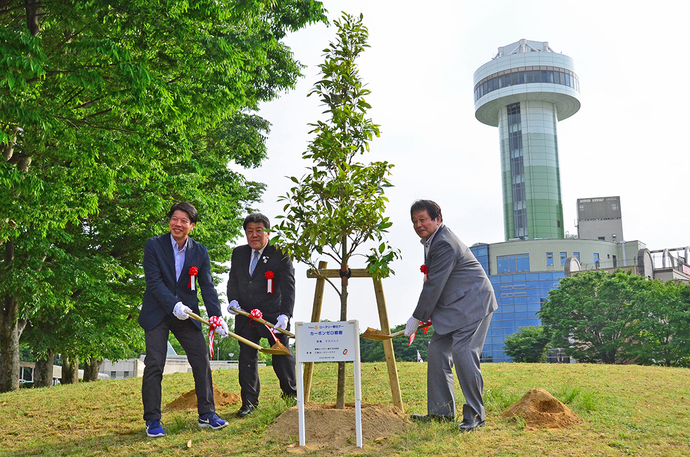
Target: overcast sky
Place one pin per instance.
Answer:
(629, 138)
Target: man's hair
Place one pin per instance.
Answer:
(429, 206)
(256, 217)
(187, 208)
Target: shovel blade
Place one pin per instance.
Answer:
(376, 335)
(277, 349)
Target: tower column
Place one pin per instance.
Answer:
(524, 91)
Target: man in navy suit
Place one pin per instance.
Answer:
(175, 267)
(261, 277)
(458, 298)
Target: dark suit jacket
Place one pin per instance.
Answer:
(163, 291)
(457, 293)
(251, 291)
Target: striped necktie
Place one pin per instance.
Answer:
(255, 260)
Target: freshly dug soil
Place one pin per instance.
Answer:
(539, 409)
(188, 400)
(330, 428)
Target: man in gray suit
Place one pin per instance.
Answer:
(459, 299)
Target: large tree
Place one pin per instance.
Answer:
(109, 111)
(662, 334)
(620, 317)
(528, 344)
(590, 314)
(339, 204)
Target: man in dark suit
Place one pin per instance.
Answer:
(261, 277)
(459, 299)
(175, 267)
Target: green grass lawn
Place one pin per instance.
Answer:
(626, 410)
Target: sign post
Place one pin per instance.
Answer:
(328, 342)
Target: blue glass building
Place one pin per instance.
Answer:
(519, 295)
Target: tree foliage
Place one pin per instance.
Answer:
(620, 317)
(529, 344)
(663, 326)
(109, 112)
(340, 203)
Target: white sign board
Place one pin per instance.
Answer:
(328, 342)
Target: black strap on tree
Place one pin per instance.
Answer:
(345, 275)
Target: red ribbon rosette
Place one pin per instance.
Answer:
(257, 314)
(214, 322)
(424, 325)
(269, 283)
(192, 278)
(424, 270)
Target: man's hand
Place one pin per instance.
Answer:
(223, 330)
(282, 323)
(233, 307)
(180, 311)
(412, 326)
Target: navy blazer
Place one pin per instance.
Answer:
(457, 292)
(252, 291)
(163, 291)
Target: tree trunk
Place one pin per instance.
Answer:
(10, 330)
(43, 372)
(91, 368)
(70, 370)
(9, 343)
(340, 397)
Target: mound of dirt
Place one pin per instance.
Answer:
(539, 409)
(329, 428)
(188, 400)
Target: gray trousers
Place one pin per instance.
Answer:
(194, 344)
(462, 348)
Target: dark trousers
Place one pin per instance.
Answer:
(283, 366)
(194, 344)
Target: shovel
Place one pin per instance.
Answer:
(378, 335)
(276, 349)
(261, 321)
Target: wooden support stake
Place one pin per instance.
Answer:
(383, 318)
(315, 317)
(388, 346)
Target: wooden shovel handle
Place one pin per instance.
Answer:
(261, 321)
(234, 335)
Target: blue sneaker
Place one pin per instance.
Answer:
(154, 429)
(211, 420)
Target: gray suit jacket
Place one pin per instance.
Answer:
(457, 293)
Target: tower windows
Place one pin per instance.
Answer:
(526, 75)
(517, 171)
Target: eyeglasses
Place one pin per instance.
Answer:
(182, 221)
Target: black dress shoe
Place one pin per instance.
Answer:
(246, 410)
(430, 417)
(468, 426)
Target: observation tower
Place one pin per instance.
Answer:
(524, 91)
